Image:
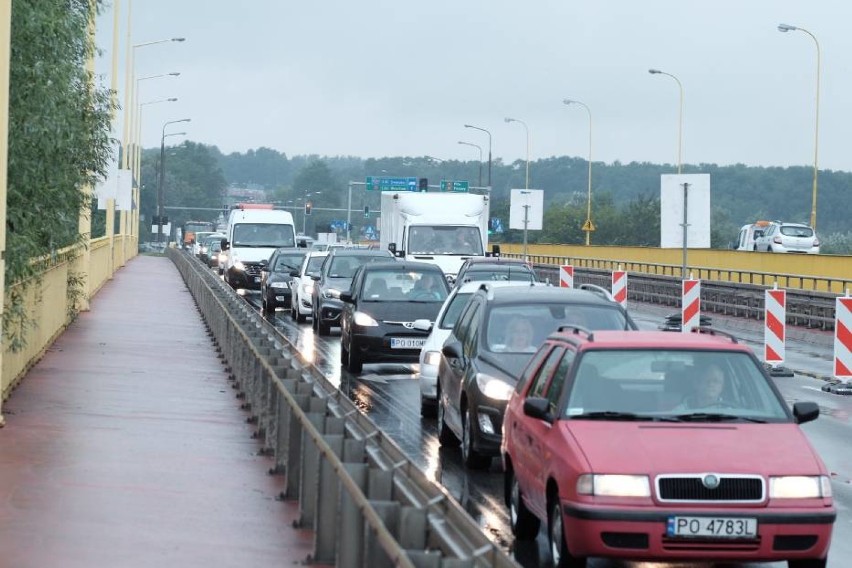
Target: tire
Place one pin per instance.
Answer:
(808, 563)
(428, 408)
(267, 309)
(472, 459)
(524, 524)
(323, 329)
(354, 363)
(344, 355)
(300, 317)
(445, 435)
(559, 552)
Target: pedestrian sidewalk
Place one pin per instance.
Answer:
(125, 445)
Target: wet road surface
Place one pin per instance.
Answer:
(390, 395)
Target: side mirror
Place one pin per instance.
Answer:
(495, 250)
(346, 297)
(392, 248)
(294, 273)
(225, 244)
(452, 350)
(539, 408)
(315, 277)
(264, 263)
(805, 412)
(422, 325)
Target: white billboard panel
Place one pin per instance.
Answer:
(698, 210)
(529, 202)
(107, 188)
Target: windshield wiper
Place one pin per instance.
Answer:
(611, 415)
(714, 417)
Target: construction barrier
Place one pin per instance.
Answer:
(843, 338)
(566, 276)
(690, 311)
(774, 331)
(619, 287)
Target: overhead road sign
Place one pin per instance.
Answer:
(458, 186)
(381, 183)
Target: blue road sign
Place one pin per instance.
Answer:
(381, 183)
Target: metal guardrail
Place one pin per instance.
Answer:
(367, 503)
(807, 308)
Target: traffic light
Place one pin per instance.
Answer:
(423, 184)
(366, 211)
(308, 207)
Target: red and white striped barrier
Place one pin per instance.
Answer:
(566, 276)
(843, 338)
(775, 328)
(619, 287)
(690, 311)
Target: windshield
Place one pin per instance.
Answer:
(287, 262)
(314, 264)
(521, 328)
(345, 266)
(411, 286)
(425, 239)
(498, 273)
(677, 385)
(266, 235)
(451, 314)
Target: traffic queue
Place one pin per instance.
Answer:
(619, 443)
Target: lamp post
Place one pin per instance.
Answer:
(136, 125)
(163, 177)
(788, 28)
(527, 130)
(680, 113)
(489, 149)
(588, 226)
(478, 147)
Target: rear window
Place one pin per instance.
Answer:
(793, 231)
(498, 275)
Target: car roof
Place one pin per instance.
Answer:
(540, 294)
(496, 260)
(472, 287)
(404, 265)
(710, 340)
(340, 251)
(299, 250)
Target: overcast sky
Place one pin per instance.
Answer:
(397, 77)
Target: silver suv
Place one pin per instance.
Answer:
(788, 237)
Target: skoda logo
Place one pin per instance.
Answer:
(710, 481)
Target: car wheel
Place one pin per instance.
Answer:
(300, 317)
(808, 563)
(323, 328)
(524, 524)
(445, 435)
(268, 310)
(344, 354)
(472, 459)
(428, 407)
(354, 363)
(556, 538)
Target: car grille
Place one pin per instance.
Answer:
(731, 488)
(252, 269)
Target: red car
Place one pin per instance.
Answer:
(666, 447)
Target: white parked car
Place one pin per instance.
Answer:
(788, 237)
(302, 285)
(430, 354)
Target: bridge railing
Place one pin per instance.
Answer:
(367, 503)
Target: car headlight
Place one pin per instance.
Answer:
(432, 358)
(331, 293)
(364, 320)
(799, 487)
(279, 285)
(608, 485)
(308, 288)
(238, 265)
(493, 388)
(223, 257)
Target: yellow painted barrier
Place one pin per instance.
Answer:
(821, 272)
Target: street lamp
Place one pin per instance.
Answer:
(136, 126)
(680, 113)
(588, 226)
(478, 147)
(527, 183)
(489, 148)
(163, 177)
(788, 28)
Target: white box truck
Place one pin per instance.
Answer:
(441, 228)
(253, 235)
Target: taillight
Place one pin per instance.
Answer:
(816, 242)
(777, 240)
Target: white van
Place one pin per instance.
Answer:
(252, 237)
(747, 239)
